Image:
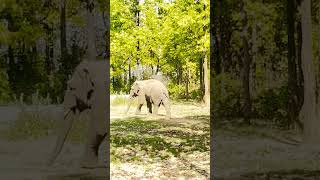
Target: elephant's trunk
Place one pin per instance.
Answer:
(129, 104)
(62, 135)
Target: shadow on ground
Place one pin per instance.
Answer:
(159, 138)
(77, 177)
(295, 174)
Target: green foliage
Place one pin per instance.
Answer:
(38, 124)
(5, 91)
(120, 100)
(31, 125)
(171, 38)
(176, 91)
(226, 96)
(272, 104)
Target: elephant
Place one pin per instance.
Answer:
(87, 91)
(151, 91)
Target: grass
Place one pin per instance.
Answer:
(154, 146)
(119, 100)
(152, 139)
(182, 141)
(33, 125)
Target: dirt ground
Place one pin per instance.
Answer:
(189, 123)
(241, 152)
(24, 159)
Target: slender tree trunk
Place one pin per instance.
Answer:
(201, 86)
(158, 66)
(220, 36)
(299, 66)
(318, 73)
(49, 51)
(215, 36)
(254, 50)
(206, 97)
(187, 83)
(63, 31)
(91, 32)
(292, 69)
(245, 68)
(308, 113)
(129, 69)
(137, 14)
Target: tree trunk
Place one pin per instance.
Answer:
(299, 64)
(187, 83)
(220, 36)
(201, 86)
(245, 68)
(91, 32)
(308, 113)
(318, 74)
(292, 69)
(206, 97)
(137, 14)
(49, 51)
(212, 72)
(63, 31)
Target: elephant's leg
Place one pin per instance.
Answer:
(139, 107)
(149, 104)
(95, 138)
(156, 106)
(96, 133)
(141, 101)
(167, 106)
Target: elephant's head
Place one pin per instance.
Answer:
(135, 91)
(76, 99)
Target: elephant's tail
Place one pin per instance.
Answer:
(166, 94)
(62, 135)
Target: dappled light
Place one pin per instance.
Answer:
(145, 142)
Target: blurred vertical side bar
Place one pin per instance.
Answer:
(107, 57)
(211, 84)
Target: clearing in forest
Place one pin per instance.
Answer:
(144, 146)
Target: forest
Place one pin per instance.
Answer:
(168, 38)
(265, 59)
(41, 44)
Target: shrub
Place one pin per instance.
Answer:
(226, 96)
(272, 104)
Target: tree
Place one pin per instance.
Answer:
(309, 111)
(292, 69)
(245, 66)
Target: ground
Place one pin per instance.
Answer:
(142, 146)
(27, 141)
(262, 152)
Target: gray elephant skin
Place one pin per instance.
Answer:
(151, 91)
(86, 91)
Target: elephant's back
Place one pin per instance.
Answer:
(158, 89)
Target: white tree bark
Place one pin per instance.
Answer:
(308, 113)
